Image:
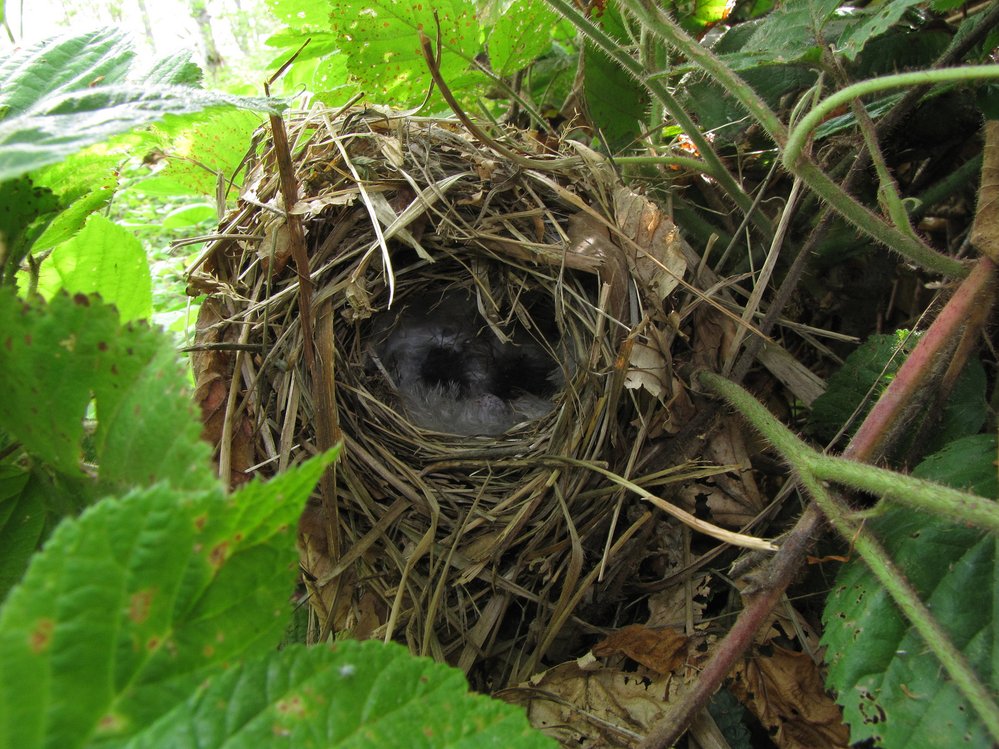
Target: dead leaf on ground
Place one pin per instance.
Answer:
(732, 498)
(647, 370)
(786, 694)
(592, 708)
(665, 650)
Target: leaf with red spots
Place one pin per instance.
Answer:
(56, 358)
(128, 608)
(357, 694)
(381, 41)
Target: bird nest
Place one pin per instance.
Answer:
(484, 325)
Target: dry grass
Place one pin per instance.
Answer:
(488, 553)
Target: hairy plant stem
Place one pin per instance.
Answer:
(798, 137)
(804, 461)
(795, 545)
(801, 164)
(950, 504)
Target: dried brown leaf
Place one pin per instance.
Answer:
(664, 651)
(659, 263)
(785, 692)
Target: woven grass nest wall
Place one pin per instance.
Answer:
(488, 551)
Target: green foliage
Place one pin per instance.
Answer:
(27, 211)
(131, 606)
(199, 151)
(874, 21)
(615, 99)
(369, 694)
(890, 687)
(56, 358)
(858, 383)
(67, 93)
(102, 259)
(865, 374)
(518, 35)
(58, 361)
(382, 45)
(152, 618)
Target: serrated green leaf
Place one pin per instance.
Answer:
(107, 260)
(63, 65)
(67, 93)
(520, 32)
(176, 70)
(27, 210)
(874, 20)
(969, 463)
(22, 522)
(356, 694)
(55, 357)
(381, 41)
(67, 223)
(966, 408)
(890, 686)
(214, 143)
(129, 607)
(792, 32)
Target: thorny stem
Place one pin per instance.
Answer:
(948, 503)
(781, 571)
(962, 316)
(805, 463)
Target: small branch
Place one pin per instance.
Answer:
(963, 315)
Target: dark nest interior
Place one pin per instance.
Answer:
(487, 328)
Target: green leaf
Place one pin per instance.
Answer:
(356, 694)
(381, 42)
(697, 16)
(107, 260)
(968, 463)
(889, 684)
(214, 143)
(27, 209)
(301, 14)
(521, 31)
(617, 102)
(792, 32)
(22, 523)
(875, 20)
(67, 93)
(965, 411)
(129, 607)
(858, 383)
(55, 357)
